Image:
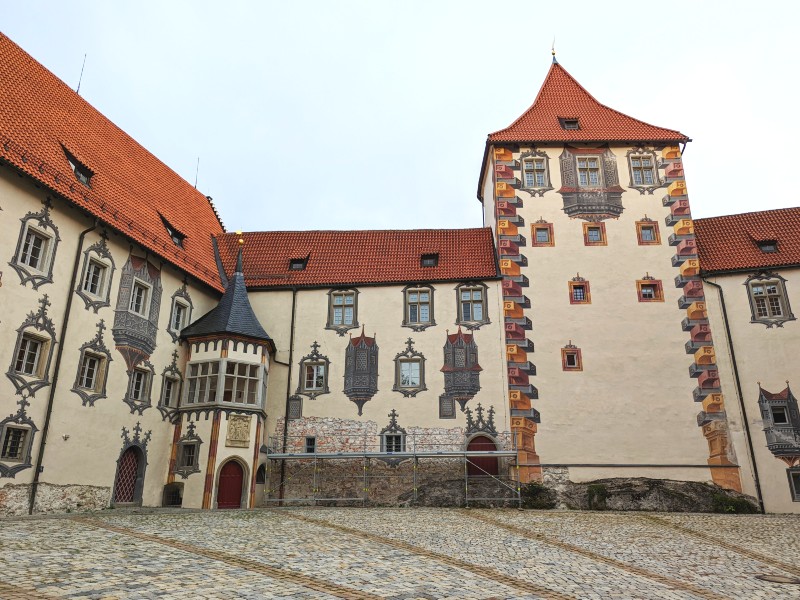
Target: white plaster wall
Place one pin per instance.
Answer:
(763, 355)
(632, 403)
(88, 456)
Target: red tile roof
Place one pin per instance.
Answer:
(361, 257)
(730, 243)
(563, 97)
(40, 117)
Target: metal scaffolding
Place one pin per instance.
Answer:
(417, 449)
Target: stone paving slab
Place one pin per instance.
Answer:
(397, 554)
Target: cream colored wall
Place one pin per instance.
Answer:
(762, 355)
(380, 310)
(487, 193)
(632, 403)
(89, 455)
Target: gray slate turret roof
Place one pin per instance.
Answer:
(232, 315)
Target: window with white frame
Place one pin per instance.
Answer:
(589, 171)
(313, 376)
(242, 381)
(94, 278)
(35, 250)
(170, 392)
(201, 382)
(138, 385)
(472, 305)
(140, 298)
(342, 310)
(29, 355)
(91, 371)
(769, 302)
(418, 312)
(642, 170)
(534, 173)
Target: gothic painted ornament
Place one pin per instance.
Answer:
(590, 184)
(361, 370)
(27, 429)
(136, 319)
(35, 252)
(39, 326)
(96, 350)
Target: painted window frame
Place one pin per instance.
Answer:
(180, 298)
(190, 439)
(313, 359)
(649, 283)
(643, 154)
(764, 279)
(23, 447)
(175, 397)
(38, 223)
(418, 325)
(138, 403)
(472, 287)
(579, 283)
(648, 224)
(600, 183)
(568, 352)
(146, 300)
(447, 407)
(397, 439)
(793, 474)
(344, 293)
(601, 227)
(408, 357)
(535, 157)
(542, 226)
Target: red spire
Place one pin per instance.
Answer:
(561, 97)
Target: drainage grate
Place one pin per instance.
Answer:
(778, 579)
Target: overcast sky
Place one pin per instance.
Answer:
(354, 115)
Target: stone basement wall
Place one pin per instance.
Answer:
(53, 498)
(389, 482)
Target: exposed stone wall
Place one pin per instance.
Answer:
(53, 498)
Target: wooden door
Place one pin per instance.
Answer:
(231, 478)
(127, 473)
(481, 466)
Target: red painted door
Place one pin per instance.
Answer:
(127, 471)
(481, 466)
(231, 478)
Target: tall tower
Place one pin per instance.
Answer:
(607, 335)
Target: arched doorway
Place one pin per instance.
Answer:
(229, 491)
(481, 466)
(130, 477)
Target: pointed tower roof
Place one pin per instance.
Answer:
(562, 98)
(232, 315)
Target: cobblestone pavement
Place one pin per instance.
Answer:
(397, 554)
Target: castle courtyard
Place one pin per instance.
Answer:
(398, 554)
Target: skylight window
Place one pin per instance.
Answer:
(768, 246)
(429, 260)
(176, 236)
(81, 171)
(569, 123)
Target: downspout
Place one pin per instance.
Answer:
(288, 391)
(739, 394)
(56, 369)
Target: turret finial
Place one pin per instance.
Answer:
(553, 51)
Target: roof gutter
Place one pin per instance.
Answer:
(739, 394)
(57, 369)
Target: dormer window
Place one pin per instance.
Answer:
(429, 260)
(298, 264)
(82, 172)
(768, 246)
(569, 123)
(176, 236)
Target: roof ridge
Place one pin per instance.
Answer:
(750, 212)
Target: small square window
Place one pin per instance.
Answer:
(779, 415)
(82, 172)
(579, 292)
(571, 359)
(14, 443)
(140, 299)
(647, 233)
(394, 442)
(649, 290)
(311, 445)
(542, 234)
(594, 234)
(429, 260)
